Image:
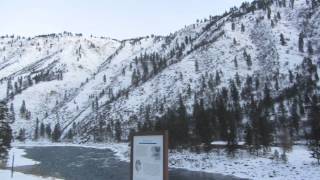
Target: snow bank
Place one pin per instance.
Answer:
(224, 143)
(244, 165)
(19, 159)
(6, 175)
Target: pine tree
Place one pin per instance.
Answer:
(232, 132)
(99, 129)
(118, 131)
(42, 130)
(242, 28)
(217, 79)
(70, 134)
(186, 39)
(48, 131)
(292, 3)
(210, 82)
(272, 24)
(182, 124)
(135, 77)
(109, 133)
(56, 134)
(96, 104)
(265, 130)
(28, 115)
(104, 78)
(202, 123)
(9, 87)
(282, 113)
(301, 42)
(257, 83)
(282, 40)
(291, 77)
(234, 92)
(237, 79)
(284, 129)
(22, 135)
(252, 136)
(30, 82)
(278, 15)
(12, 113)
(267, 96)
(295, 118)
(5, 130)
(248, 135)
(235, 62)
(147, 125)
(249, 61)
(269, 13)
(36, 131)
(276, 85)
(233, 26)
(196, 64)
(172, 126)
(314, 135)
(222, 117)
(23, 109)
(310, 49)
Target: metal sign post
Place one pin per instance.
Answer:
(149, 156)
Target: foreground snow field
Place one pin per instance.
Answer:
(20, 160)
(6, 175)
(299, 166)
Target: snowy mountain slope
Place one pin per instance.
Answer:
(75, 57)
(260, 40)
(92, 79)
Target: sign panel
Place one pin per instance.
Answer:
(149, 157)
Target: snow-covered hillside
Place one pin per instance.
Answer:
(87, 82)
(65, 61)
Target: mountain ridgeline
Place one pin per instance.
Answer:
(249, 75)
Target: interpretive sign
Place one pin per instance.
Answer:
(149, 156)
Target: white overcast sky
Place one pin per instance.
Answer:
(119, 19)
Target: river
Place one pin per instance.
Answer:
(79, 163)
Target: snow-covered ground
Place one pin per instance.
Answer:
(6, 175)
(299, 166)
(20, 160)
